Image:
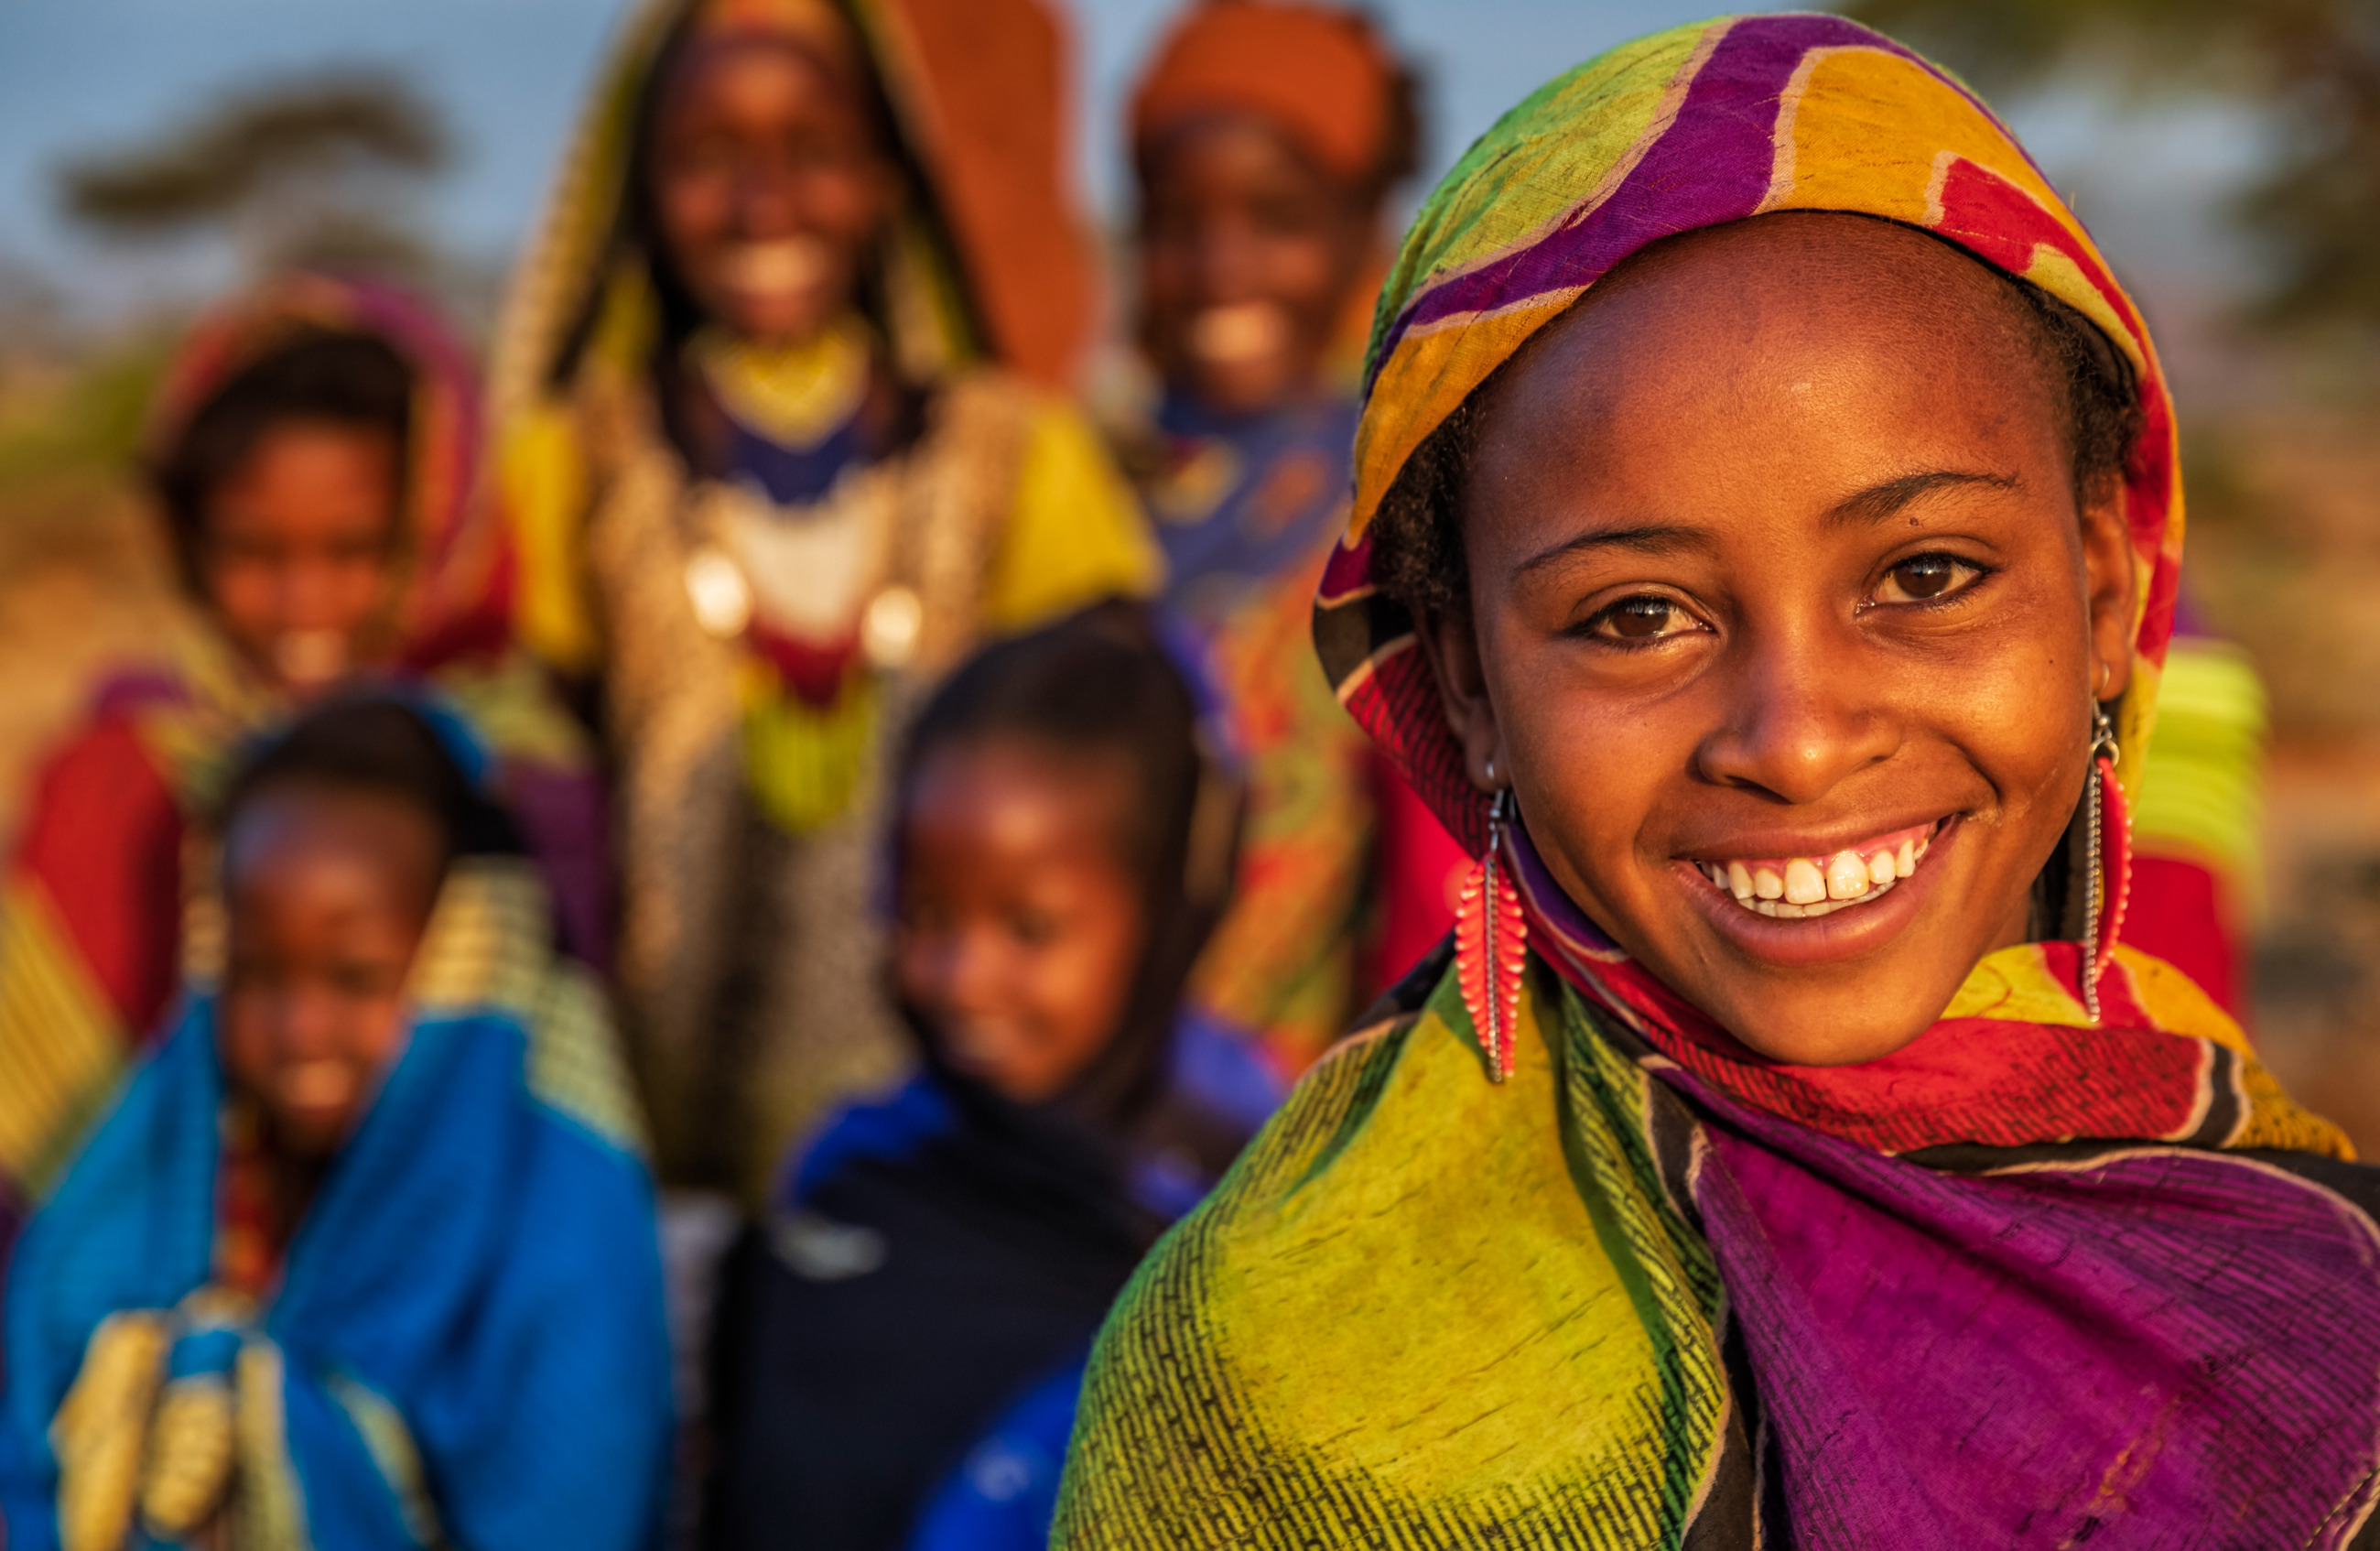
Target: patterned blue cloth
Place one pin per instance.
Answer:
(477, 1284)
(1244, 498)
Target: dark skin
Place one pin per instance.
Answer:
(296, 553)
(1021, 925)
(329, 892)
(1249, 255)
(768, 185)
(1774, 550)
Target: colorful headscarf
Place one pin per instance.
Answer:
(2032, 1280)
(990, 259)
(1319, 71)
(452, 598)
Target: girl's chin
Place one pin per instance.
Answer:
(777, 321)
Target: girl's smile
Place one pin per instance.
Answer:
(1851, 908)
(1786, 614)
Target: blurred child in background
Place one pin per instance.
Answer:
(899, 1355)
(365, 1254)
(312, 454)
(1267, 135)
(770, 476)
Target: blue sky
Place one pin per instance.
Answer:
(80, 74)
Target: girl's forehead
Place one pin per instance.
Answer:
(1014, 798)
(757, 69)
(1818, 303)
(292, 829)
(1820, 269)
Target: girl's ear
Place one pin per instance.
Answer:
(2111, 581)
(1452, 648)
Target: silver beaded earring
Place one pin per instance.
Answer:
(2109, 828)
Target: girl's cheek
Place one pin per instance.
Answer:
(243, 597)
(380, 1032)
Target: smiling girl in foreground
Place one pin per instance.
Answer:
(1788, 1156)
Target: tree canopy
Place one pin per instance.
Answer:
(2312, 65)
(298, 170)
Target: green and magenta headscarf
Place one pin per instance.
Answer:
(2033, 1279)
(1696, 128)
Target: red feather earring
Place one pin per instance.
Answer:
(1491, 943)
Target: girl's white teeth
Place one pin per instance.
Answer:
(1814, 886)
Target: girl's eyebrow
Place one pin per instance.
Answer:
(1874, 504)
(1879, 502)
(1650, 538)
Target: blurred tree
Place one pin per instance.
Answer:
(314, 170)
(2312, 66)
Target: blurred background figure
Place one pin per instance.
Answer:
(310, 456)
(774, 459)
(1266, 137)
(2198, 863)
(900, 1346)
(366, 1249)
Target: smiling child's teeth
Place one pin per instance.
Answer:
(1804, 886)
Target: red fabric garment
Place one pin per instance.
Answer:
(2179, 912)
(105, 845)
(1420, 869)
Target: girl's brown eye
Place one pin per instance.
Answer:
(1642, 618)
(1923, 578)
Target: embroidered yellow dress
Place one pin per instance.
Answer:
(757, 621)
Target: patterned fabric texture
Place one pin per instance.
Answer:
(751, 737)
(92, 907)
(2198, 863)
(1246, 508)
(2026, 1282)
(465, 1345)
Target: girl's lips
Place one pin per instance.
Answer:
(1826, 878)
(1846, 931)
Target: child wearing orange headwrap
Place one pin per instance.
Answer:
(1265, 134)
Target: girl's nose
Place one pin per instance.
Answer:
(1226, 260)
(968, 970)
(1801, 715)
(766, 204)
(305, 1023)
